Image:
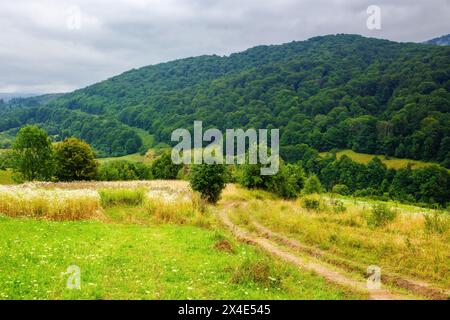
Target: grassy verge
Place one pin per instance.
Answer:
(413, 245)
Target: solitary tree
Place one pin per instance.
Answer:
(75, 160)
(32, 155)
(209, 180)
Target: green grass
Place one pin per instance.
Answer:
(147, 139)
(121, 260)
(111, 197)
(6, 177)
(392, 162)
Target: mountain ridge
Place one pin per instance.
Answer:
(335, 91)
(440, 41)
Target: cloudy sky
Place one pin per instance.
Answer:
(60, 45)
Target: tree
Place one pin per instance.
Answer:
(312, 185)
(209, 180)
(32, 155)
(164, 168)
(75, 160)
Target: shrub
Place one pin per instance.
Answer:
(338, 206)
(6, 160)
(260, 272)
(368, 192)
(111, 197)
(312, 185)
(75, 160)
(122, 170)
(380, 215)
(437, 222)
(209, 180)
(341, 189)
(287, 183)
(311, 203)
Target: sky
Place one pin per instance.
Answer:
(50, 46)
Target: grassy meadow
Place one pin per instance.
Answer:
(159, 240)
(391, 162)
(141, 240)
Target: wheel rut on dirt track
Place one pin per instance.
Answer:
(327, 273)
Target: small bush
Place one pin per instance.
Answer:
(368, 192)
(122, 170)
(380, 215)
(341, 189)
(338, 206)
(312, 185)
(111, 197)
(437, 222)
(163, 167)
(311, 203)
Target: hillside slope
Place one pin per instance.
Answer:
(344, 91)
(440, 41)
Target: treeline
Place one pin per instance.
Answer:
(108, 136)
(428, 185)
(34, 157)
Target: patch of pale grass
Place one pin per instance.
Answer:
(54, 204)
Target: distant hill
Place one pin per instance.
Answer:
(8, 96)
(332, 92)
(441, 41)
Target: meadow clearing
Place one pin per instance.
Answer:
(390, 162)
(159, 240)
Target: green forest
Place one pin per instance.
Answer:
(332, 92)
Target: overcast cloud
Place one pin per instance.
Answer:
(44, 49)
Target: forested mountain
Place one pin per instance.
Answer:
(342, 91)
(440, 41)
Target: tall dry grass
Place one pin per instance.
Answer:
(178, 209)
(49, 204)
(407, 244)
